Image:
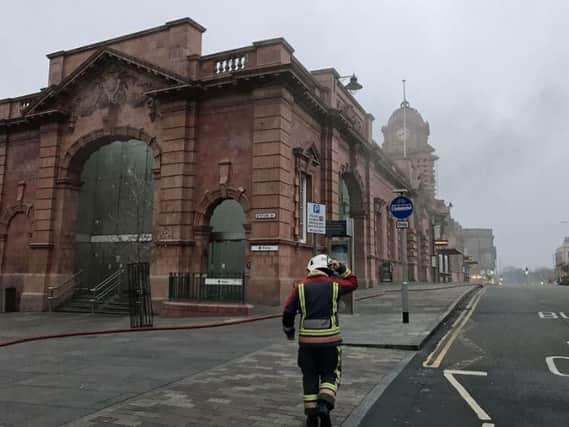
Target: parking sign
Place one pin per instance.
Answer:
(316, 218)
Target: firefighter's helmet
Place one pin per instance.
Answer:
(319, 262)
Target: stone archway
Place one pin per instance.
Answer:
(15, 234)
(227, 240)
(351, 205)
(78, 153)
(205, 231)
(107, 190)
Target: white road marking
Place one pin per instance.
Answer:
(452, 333)
(487, 425)
(548, 315)
(563, 315)
(552, 367)
(449, 375)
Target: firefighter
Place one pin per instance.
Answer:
(319, 354)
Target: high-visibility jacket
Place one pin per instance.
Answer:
(316, 298)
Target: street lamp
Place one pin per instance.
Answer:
(353, 85)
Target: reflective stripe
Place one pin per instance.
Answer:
(302, 304)
(335, 292)
(338, 370)
(329, 386)
(346, 273)
(310, 397)
(320, 340)
(320, 332)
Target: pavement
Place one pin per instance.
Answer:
(243, 375)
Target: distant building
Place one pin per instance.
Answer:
(406, 143)
(479, 245)
(562, 262)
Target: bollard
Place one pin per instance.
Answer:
(405, 302)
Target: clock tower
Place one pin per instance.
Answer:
(406, 142)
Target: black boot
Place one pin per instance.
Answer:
(324, 415)
(312, 421)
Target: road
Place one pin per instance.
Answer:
(504, 362)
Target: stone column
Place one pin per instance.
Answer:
(271, 191)
(3, 146)
(173, 228)
(66, 209)
(34, 297)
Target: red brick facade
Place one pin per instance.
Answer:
(242, 125)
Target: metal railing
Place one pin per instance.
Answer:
(200, 287)
(139, 296)
(111, 284)
(59, 295)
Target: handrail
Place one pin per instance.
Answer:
(107, 286)
(58, 295)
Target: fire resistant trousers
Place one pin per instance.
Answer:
(321, 373)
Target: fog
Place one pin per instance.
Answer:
(490, 77)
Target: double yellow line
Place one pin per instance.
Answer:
(435, 359)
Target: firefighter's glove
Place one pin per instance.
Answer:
(289, 332)
(338, 268)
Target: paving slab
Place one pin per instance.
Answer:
(378, 321)
(262, 388)
(243, 375)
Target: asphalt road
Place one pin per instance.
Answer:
(501, 355)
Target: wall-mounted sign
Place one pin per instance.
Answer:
(265, 215)
(316, 218)
(340, 228)
(230, 282)
(264, 248)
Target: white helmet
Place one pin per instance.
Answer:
(318, 262)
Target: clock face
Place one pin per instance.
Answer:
(402, 134)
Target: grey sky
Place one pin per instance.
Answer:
(489, 76)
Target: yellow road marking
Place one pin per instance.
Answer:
(452, 333)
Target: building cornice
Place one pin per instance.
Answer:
(104, 43)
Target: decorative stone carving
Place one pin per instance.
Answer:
(115, 85)
(224, 172)
(152, 105)
(71, 122)
(21, 191)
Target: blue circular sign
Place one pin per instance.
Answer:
(401, 207)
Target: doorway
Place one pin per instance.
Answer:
(226, 252)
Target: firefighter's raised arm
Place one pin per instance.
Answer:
(347, 280)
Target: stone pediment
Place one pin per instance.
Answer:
(107, 78)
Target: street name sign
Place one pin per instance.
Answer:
(402, 224)
(401, 207)
(265, 215)
(230, 282)
(264, 248)
(316, 218)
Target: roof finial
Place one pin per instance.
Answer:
(405, 103)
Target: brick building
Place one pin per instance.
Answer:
(143, 149)
(479, 244)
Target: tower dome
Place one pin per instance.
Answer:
(413, 118)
